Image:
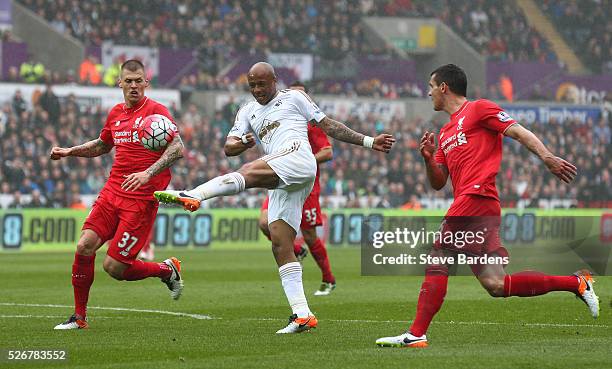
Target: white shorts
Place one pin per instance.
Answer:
(296, 167)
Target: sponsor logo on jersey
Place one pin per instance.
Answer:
(503, 117)
(461, 139)
(120, 137)
(453, 141)
(267, 130)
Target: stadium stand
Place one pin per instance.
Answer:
(331, 29)
(496, 29)
(393, 180)
(586, 26)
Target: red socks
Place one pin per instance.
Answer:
(82, 279)
(431, 298)
(319, 253)
(141, 270)
(531, 283)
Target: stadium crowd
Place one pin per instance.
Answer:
(331, 29)
(222, 29)
(587, 27)
(394, 180)
(497, 29)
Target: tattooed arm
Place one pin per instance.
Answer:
(340, 131)
(89, 149)
(173, 152)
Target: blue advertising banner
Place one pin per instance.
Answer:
(539, 113)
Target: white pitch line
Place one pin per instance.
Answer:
(555, 325)
(194, 316)
(207, 317)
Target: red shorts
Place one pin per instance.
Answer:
(311, 211)
(473, 215)
(125, 221)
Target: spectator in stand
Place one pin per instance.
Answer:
(50, 103)
(31, 71)
(91, 71)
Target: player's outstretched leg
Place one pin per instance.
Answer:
(228, 184)
(532, 283)
(169, 271)
(431, 298)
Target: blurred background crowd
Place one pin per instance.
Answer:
(394, 180)
(220, 31)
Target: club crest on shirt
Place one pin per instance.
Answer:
(460, 124)
(503, 116)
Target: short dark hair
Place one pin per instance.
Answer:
(132, 65)
(453, 76)
(299, 84)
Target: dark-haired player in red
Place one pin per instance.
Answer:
(311, 211)
(125, 210)
(470, 151)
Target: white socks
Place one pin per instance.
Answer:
(229, 184)
(291, 278)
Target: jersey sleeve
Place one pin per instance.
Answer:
(492, 117)
(105, 134)
(241, 124)
(307, 107)
(318, 139)
(439, 156)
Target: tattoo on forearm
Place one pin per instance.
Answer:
(173, 152)
(90, 149)
(341, 132)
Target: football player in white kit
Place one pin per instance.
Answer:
(279, 119)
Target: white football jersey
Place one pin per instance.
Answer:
(285, 118)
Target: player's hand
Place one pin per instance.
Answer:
(250, 138)
(59, 152)
(564, 170)
(383, 142)
(428, 146)
(133, 181)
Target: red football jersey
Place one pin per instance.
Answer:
(318, 141)
(130, 156)
(470, 146)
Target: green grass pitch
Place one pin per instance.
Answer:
(241, 291)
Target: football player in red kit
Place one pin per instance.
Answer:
(470, 151)
(311, 211)
(125, 209)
